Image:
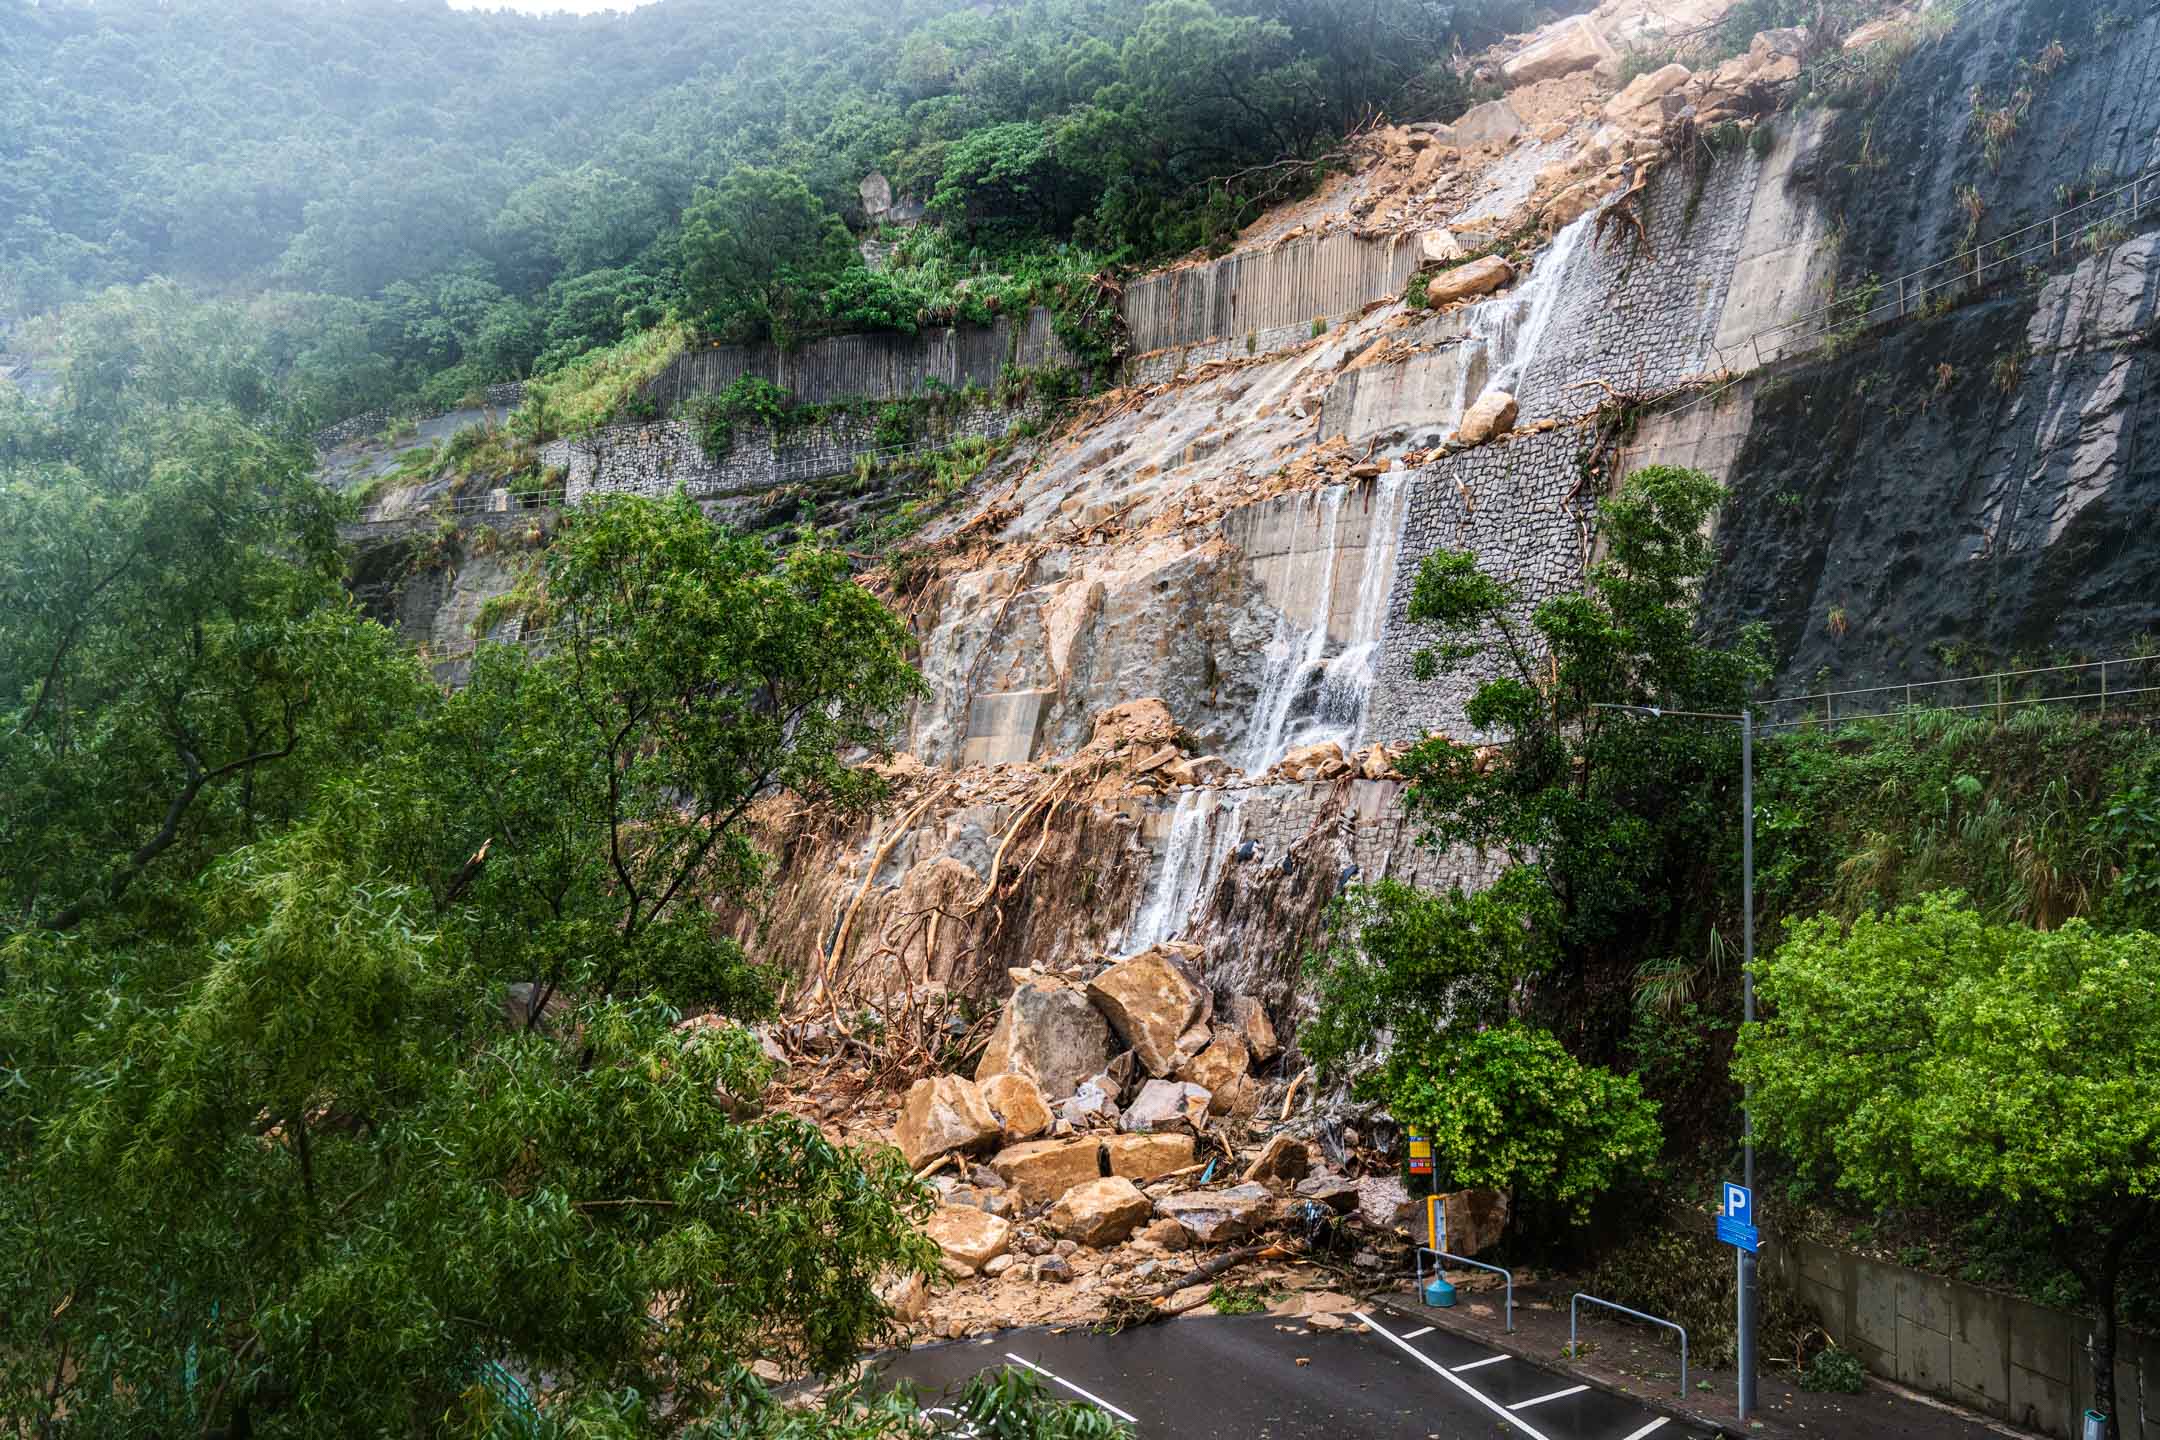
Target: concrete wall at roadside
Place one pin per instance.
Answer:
(2024, 1363)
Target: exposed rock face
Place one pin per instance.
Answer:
(1142, 1158)
(1100, 1212)
(1051, 1034)
(1019, 1106)
(1167, 1105)
(1150, 1002)
(1251, 1019)
(1492, 414)
(1041, 1170)
(1481, 276)
(947, 1113)
(969, 1237)
(1214, 1216)
(1559, 49)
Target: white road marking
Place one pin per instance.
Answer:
(1463, 1385)
(1488, 1360)
(1556, 1395)
(1657, 1424)
(1126, 1416)
(1417, 1334)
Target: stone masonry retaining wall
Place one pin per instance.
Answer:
(653, 457)
(1641, 313)
(1508, 503)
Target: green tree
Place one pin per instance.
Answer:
(1927, 1054)
(757, 251)
(1630, 818)
(1508, 1107)
(693, 673)
(1417, 999)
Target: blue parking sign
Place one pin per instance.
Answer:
(1736, 1218)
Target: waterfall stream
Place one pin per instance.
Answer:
(1510, 328)
(1307, 694)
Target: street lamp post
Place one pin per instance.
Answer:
(1745, 1283)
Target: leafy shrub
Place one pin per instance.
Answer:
(1838, 1372)
(1237, 1300)
(751, 399)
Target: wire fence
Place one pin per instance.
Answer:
(2130, 684)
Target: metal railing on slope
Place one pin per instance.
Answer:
(2122, 683)
(1914, 292)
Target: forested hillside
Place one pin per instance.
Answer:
(414, 197)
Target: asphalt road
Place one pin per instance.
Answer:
(1256, 1377)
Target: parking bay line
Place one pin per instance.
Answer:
(1441, 1370)
(1475, 1364)
(1419, 1334)
(1128, 1418)
(1556, 1395)
(1657, 1424)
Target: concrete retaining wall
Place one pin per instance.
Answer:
(1270, 295)
(2024, 1363)
(881, 366)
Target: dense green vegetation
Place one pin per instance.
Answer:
(415, 201)
(344, 1072)
(1925, 1071)
(1926, 1053)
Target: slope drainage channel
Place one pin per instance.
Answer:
(1234, 1377)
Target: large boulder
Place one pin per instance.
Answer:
(1475, 1219)
(1019, 1106)
(1492, 414)
(1251, 1017)
(1213, 1216)
(1142, 1158)
(1167, 1105)
(1041, 1170)
(947, 1113)
(1333, 1191)
(1481, 276)
(1284, 1158)
(1385, 1203)
(1492, 123)
(1050, 1033)
(1100, 1212)
(970, 1238)
(1220, 1068)
(1439, 247)
(1559, 49)
(1150, 1002)
(1645, 90)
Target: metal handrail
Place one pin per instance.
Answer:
(1906, 301)
(1637, 1314)
(1827, 714)
(1439, 1255)
(1974, 263)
